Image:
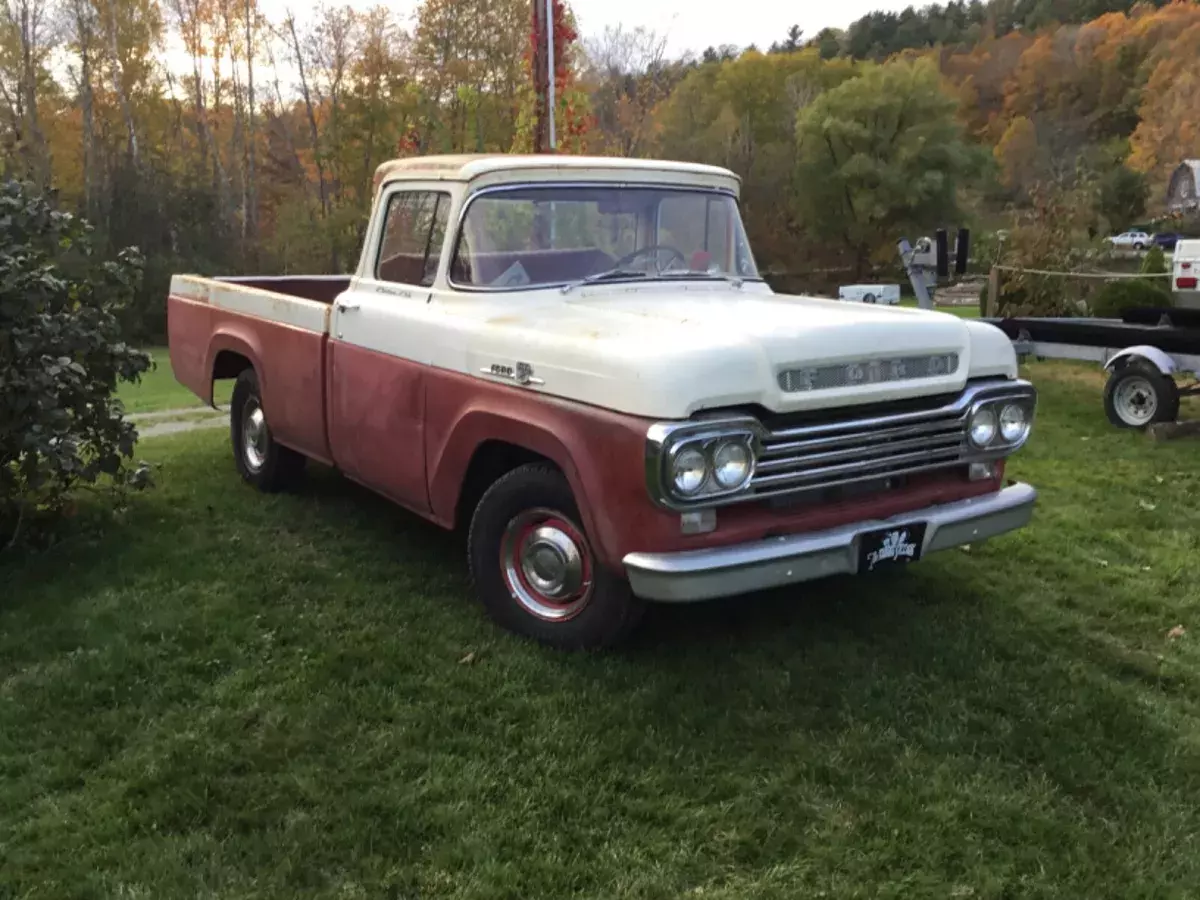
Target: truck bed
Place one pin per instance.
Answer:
(279, 325)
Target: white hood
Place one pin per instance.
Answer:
(670, 350)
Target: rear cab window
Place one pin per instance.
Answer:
(414, 229)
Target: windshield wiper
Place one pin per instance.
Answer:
(604, 276)
(718, 276)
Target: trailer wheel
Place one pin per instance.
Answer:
(533, 567)
(261, 460)
(1138, 395)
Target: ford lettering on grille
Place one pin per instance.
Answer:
(872, 371)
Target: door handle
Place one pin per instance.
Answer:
(348, 305)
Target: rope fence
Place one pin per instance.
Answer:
(993, 295)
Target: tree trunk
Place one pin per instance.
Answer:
(119, 88)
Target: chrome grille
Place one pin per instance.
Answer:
(832, 454)
(873, 371)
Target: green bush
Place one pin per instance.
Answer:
(1154, 262)
(61, 357)
(1117, 296)
(1012, 298)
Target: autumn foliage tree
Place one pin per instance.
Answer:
(879, 155)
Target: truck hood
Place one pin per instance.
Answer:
(670, 350)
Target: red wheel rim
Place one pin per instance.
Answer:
(547, 564)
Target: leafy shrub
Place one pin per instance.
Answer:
(1012, 299)
(1117, 296)
(61, 357)
(1154, 262)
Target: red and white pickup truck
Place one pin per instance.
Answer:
(577, 359)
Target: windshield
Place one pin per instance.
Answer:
(550, 235)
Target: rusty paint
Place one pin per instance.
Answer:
(377, 421)
(290, 368)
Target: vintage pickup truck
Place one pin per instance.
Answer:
(576, 360)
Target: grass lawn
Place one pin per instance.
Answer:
(231, 695)
(158, 390)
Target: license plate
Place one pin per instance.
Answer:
(890, 547)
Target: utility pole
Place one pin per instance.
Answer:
(544, 137)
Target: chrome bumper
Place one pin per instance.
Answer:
(723, 571)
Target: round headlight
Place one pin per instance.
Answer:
(731, 464)
(982, 427)
(1013, 424)
(688, 471)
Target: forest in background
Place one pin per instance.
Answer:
(217, 140)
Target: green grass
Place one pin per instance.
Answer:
(963, 312)
(228, 695)
(158, 390)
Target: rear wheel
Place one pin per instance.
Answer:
(1138, 395)
(868, 298)
(260, 459)
(534, 569)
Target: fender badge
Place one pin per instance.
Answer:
(522, 373)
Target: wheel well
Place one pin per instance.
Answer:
(491, 460)
(229, 364)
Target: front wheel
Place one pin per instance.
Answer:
(261, 460)
(868, 298)
(533, 566)
(1138, 395)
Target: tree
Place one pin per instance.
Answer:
(1121, 198)
(790, 44)
(1169, 130)
(627, 75)
(878, 156)
(1017, 155)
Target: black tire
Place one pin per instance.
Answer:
(264, 463)
(868, 298)
(1138, 245)
(526, 503)
(1158, 393)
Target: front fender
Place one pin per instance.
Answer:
(601, 453)
(1153, 355)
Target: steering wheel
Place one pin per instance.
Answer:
(654, 249)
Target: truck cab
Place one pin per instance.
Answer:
(578, 362)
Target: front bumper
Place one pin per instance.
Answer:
(722, 571)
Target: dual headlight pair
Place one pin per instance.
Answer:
(695, 463)
(1001, 424)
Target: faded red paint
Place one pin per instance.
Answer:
(377, 422)
(602, 454)
(410, 431)
(290, 363)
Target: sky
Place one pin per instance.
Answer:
(688, 25)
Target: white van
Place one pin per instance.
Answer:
(1184, 274)
(870, 293)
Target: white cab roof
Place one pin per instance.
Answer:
(494, 168)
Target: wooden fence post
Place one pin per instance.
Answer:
(993, 300)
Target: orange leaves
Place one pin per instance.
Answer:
(1169, 126)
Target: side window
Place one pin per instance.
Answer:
(414, 227)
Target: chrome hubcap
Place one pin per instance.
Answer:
(546, 565)
(255, 438)
(1136, 401)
